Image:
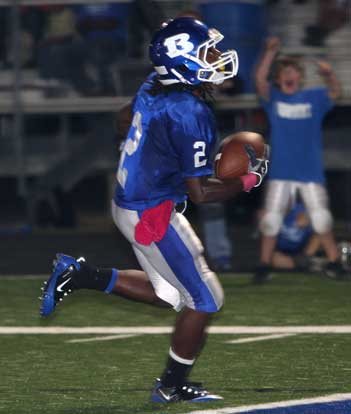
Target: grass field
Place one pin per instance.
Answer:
(46, 373)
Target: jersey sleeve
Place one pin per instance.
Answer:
(194, 138)
(322, 100)
(144, 87)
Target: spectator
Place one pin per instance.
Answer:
(103, 28)
(332, 15)
(298, 248)
(244, 26)
(81, 44)
(4, 16)
(33, 20)
(295, 116)
(216, 238)
(144, 15)
(296, 243)
(61, 57)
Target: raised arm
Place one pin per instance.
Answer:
(330, 79)
(272, 47)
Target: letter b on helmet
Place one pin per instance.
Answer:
(178, 45)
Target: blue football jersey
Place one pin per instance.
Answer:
(172, 137)
(296, 133)
(293, 238)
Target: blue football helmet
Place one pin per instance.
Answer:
(180, 52)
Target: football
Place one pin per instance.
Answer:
(232, 160)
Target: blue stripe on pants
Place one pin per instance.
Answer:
(181, 261)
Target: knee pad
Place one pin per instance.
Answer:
(270, 223)
(322, 220)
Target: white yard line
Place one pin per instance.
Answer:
(234, 341)
(154, 330)
(308, 329)
(259, 338)
(25, 277)
(280, 404)
(101, 338)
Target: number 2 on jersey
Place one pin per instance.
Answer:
(130, 146)
(200, 156)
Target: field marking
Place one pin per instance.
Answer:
(234, 341)
(24, 277)
(259, 338)
(279, 404)
(156, 330)
(102, 338)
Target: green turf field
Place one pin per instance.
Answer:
(44, 373)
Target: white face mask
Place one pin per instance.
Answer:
(224, 67)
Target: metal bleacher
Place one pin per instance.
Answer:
(64, 159)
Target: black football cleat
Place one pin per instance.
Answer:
(60, 282)
(335, 270)
(189, 392)
(262, 274)
(221, 264)
(302, 262)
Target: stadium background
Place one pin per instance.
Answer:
(57, 170)
(58, 148)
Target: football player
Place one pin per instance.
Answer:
(166, 158)
(295, 115)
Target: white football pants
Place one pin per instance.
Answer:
(175, 265)
(280, 195)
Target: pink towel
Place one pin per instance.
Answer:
(153, 223)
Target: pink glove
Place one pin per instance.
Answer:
(249, 181)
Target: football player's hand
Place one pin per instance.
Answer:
(258, 166)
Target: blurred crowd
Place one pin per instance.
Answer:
(77, 46)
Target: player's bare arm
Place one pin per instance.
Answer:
(332, 82)
(124, 119)
(209, 189)
(205, 189)
(272, 47)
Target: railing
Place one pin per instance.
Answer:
(71, 105)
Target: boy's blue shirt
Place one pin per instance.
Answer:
(296, 133)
